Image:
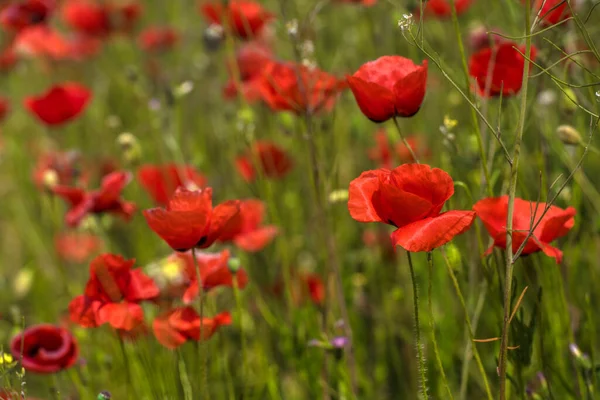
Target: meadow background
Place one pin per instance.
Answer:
(327, 311)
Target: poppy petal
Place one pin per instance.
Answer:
(124, 315)
(83, 311)
(409, 92)
(222, 216)
(256, 240)
(181, 230)
(557, 223)
(360, 195)
(141, 286)
(375, 101)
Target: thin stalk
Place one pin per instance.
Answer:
(432, 326)
(512, 188)
(202, 347)
(420, 357)
(412, 153)
(239, 309)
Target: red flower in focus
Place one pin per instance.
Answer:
(100, 19)
(552, 11)
(246, 231)
(158, 39)
(45, 349)
(106, 199)
(245, 18)
(60, 104)
(76, 247)
(112, 294)
(443, 8)
(161, 181)
(388, 87)
(190, 219)
(177, 326)
(507, 71)
(4, 108)
(272, 160)
(250, 62)
(303, 286)
(383, 153)
(290, 87)
(556, 223)
(19, 15)
(410, 198)
(41, 41)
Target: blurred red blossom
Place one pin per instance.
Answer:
(304, 286)
(112, 294)
(41, 41)
(245, 18)
(385, 155)
(409, 197)
(507, 69)
(190, 220)
(83, 47)
(443, 8)
(60, 104)
(21, 14)
(245, 230)
(4, 108)
(45, 349)
(288, 86)
(158, 39)
(175, 327)
(249, 63)
(59, 168)
(100, 18)
(273, 161)
(554, 224)
(552, 11)
(388, 87)
(106, 199)
(160, 181)
(76, 247)
(363, 2)
(8, 57)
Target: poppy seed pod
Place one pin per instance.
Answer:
(568, 135)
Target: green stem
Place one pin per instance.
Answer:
(432, 326)
(421, 364)
(512, 187)
(202, 347)
(239, 309)
(412, 153)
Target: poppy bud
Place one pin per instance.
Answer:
(234, 264)
(569, 100)
(104, 395)
(50, 179)
(568, 135)
(213, 37)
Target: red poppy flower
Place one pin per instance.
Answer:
(45, 349)
(112, 294)
(409, 197)
(290, 87)
(105, 199)
(507, 71)
(363, 2)
(272, 160)
(64, 168)
(190, 219)
(389, 86)
(552, 11)
(383, 153)
(443, 8)
(4, 108)
(245, 230)
(158, 39)
(60, 104)
(479, 38)
(100, 19)
(83, 47)
(161, 181)
(177, 326)
(555, 224)
(245, 18)
(8, 58)
(41, 41)
(16, 16)
(250, 62)
(303, 286)
(76, 247)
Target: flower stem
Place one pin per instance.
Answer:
(432, 326)
(420, 358)
(412, 153)
(512, 188)
(202, 347)
(238, 304)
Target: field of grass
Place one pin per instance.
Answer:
(368, 163)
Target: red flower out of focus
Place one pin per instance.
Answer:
(41, 41)
(19, 15)
(112, 294)
(60, 104)
(556, 223)
(290, 87)
(385, 155)
(507, 71)
(46, 349)
(245, 18)
(63, 168)
(175, 327)
(160, 181)
(190, 220)
(8, 58)
(245, 229)
(272, 160)
(303, 286)
(4, 108)
(76, 247)
(363, 2)
(100, 19)
(552, 11)
(106, 199)
(388, 87)
(443, 8)
(158, 39)
(250, 62)
(410, 198)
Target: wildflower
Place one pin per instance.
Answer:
(245, 18)
(366, 3)
(304, 286)
(41, 41)
(443, 8)
(60, 104)
(554, 224)
(45, 349)
(410, 198)
(58, 168)
(272, 160)
(190, 220)
(388, 87)
(245, 229)
(552, 11)
(18, 15)
(76, 247)
(250, 61)
(102, 18)
(175, 327)
(160, 181)
(158, 39)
